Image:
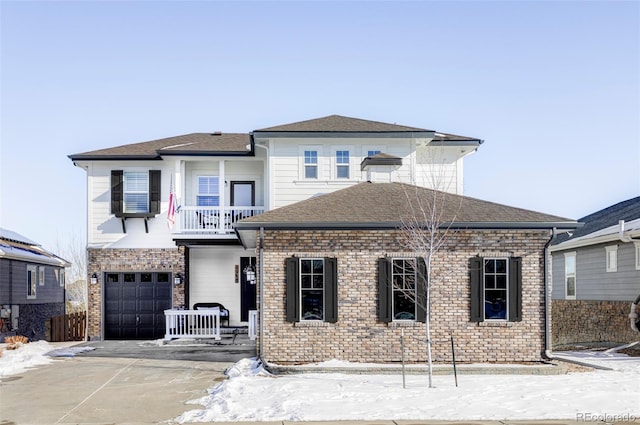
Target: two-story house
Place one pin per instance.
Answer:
(161, 214)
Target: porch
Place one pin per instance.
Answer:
(203, 324)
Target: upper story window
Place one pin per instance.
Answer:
(136, 192)
(208, 191)
(371, 153)
(310, 164)
(570, 275)
(612, 258)
(342, 164)
(32, 279)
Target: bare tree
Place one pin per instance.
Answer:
(426, 226)
(73, 250)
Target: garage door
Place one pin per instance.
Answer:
(135, 304)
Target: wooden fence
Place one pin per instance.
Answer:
(70, 327)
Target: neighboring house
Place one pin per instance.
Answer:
(596, 277)
(139, 266)
(332, 268)
(31, 286)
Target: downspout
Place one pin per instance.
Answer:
(261, 304)
(547, 298)
(621, 235)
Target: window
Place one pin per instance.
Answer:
(403, 276)
(135, 193)
(637, 249)
(612, 258)
(32, 278)
(41, 275)
(372, 153)
(310, 164)
(311, 289)
(401, 281)
(342, 164)
(208, 191)
(312, 293)
(570, 275)
(495, 289)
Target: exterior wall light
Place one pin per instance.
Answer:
(94, 278)
(177, 279)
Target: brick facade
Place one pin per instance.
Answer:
(358, 336)
(584, 321)
(122, 260)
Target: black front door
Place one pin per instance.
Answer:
(134, 304)
(247, 287)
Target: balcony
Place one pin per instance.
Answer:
(213, 220)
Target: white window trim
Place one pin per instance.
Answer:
(125, 192)
(334, 162)
(611, 258)
(32, 271)
(484, 289)
(566, 275)
(300, 260)
(415, 289)
(637, 251)
(197, 188)
(301, 166)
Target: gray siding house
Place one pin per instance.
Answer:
(596, 277)
(31, 286)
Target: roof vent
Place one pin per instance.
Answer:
(217, 133)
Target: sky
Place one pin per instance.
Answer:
(553, 89)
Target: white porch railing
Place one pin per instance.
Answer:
(253, 324)
(220, 220)
(192, 324)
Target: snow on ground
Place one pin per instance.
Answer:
(33, 354)
(250, 393)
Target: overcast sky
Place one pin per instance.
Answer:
(553, 88)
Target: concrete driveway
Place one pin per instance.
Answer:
(120, 382)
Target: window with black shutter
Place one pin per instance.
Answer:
(402, 286)
(312, 289)
(135, 193)
(495, 289)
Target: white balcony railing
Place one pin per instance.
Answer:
(215, 220)
(192, 324)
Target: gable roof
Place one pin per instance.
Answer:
(385, 205)
(603, 225)
(188, 144)
(14, 246)
(341, 124)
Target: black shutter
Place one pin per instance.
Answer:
(117, 192)
(421, 290)
(475, 289)
(515, 289)
(385, 297)
(330, 290)
(293, 290)
(154, 191)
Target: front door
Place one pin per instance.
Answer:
(243, 194)
(247, 287)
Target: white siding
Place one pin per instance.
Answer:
(212, 277)
(104, 229)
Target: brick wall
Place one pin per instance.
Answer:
(122, 260)
(583, 321)
(359, 337)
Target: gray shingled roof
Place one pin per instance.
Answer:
(385, 204)
(626, 210)
(341, 124)
(195, 143)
